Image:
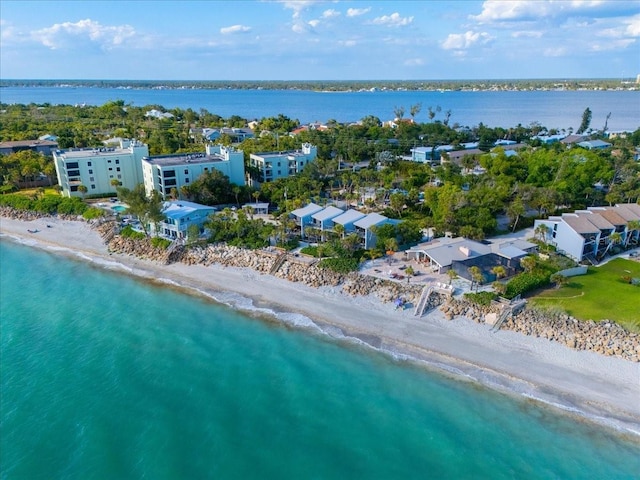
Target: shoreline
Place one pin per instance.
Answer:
(592, 387)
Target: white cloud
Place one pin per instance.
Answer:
(555, 52)
(348, 43)
(298, 5)
(611, 45)
(67, 34)
(298, 28)
(633, 26)
(517, 10)
(527, 34)
(393, 20)
(356, 12)
(414, 62)
(235, 29)
(331, 13)
(314, 23)
(462, 41)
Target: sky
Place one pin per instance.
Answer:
(319, 39)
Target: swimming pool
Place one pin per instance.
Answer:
(119, 208)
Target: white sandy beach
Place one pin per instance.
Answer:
(604, 389)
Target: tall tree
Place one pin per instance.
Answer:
(586, 121)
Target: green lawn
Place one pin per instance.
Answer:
(600, 294)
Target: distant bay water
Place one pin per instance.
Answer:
(550, 108)
(107, 377)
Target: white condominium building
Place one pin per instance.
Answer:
(274, 165)
(166, 172)
(97, 169)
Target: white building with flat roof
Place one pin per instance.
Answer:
(165, 172)
(97, 168)
(274, 165)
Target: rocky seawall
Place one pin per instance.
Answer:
(604, 337)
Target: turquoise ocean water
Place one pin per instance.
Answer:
(104, 376)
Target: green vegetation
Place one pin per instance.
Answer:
(340, 265)
(47, 204)
(603, 293)
(239, 229)
(162, 243)
(481, 298)
(129, 232)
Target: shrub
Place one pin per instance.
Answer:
(93, 212)
(19, 202)
(340, 265)
(162, 243)
(312, 251)
(129, 232)
(526, 282)
(481, 298)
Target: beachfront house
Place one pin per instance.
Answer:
(460, 254)
(166, 172)
(323, 220)
(181, 215)
(97, 169)
(588, 234)
(303, 216)
(365, 228)
(347, 219)
(273, 165)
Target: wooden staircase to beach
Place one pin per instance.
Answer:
(426, 294)
(278, 263)
(422, 302)
(507, 310)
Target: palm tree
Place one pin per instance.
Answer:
(499, 271)
(83, 190)
(632, 228)
(614, 239)
(528, 263)
(476, 277)
(452, 275)
(542, 231)
(559, 279)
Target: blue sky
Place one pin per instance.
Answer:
(319, 40)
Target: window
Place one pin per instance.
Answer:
(169, 173)
(73, 188)
(170, 182)
(117, 169)
(88, 164)
(117, 161)
(186, 180)
(93, 187)
(73, 173)
(92, 179)
(110, 169)
(72, 165)
(186, 172)
(119, 176)
(108, 161)
(90, 171)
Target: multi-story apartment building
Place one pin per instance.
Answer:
(166, 172)
(589, 234)
(274, 165)
(98, 168)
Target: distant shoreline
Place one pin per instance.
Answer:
(340, 85)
